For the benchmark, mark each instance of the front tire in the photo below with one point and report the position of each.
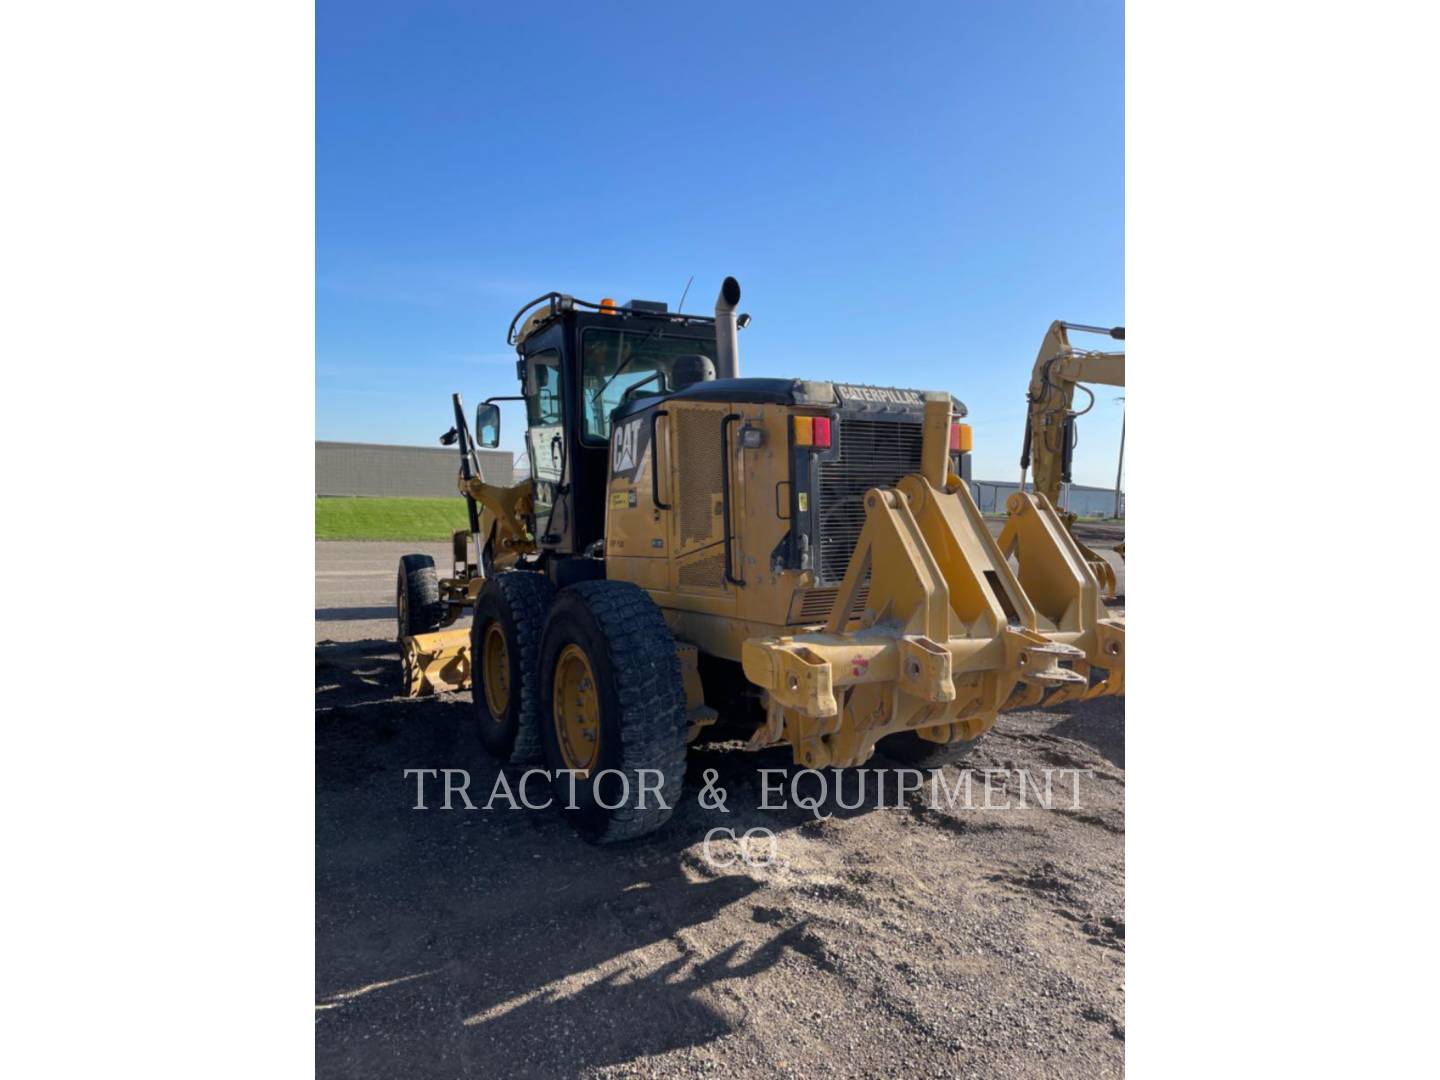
(504, 647)
(418, 609)
(613, 709)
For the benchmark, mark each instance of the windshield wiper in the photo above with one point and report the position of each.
(634, 352)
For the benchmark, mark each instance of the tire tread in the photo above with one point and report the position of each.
(651, 692)
(422, 595)
(527, 595)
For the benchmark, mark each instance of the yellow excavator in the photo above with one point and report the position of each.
(699, 556)
(1050, 430)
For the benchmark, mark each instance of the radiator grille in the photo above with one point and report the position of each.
(873, 453)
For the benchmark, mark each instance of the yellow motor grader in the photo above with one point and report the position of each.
(697, 555)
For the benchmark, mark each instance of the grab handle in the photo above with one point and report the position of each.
(655, 461)
(725, 493)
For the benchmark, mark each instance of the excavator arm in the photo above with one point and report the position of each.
(1050, 418)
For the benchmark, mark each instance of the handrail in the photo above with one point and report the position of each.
(655, 461)
(725, 492)
(560, 302)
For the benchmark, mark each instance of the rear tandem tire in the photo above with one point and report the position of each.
(609, 673)
(418, 609)
(504, 647)
(908, 748)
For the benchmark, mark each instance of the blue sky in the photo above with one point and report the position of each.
(908, 193)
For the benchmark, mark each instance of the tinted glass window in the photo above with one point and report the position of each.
(634, 362)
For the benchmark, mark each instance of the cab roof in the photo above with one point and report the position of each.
(554, 305)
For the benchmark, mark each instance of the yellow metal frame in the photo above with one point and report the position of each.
(439, 662)
(435, 663)
(949, 634)
(948, 637)
(936, 627)
(503, 514)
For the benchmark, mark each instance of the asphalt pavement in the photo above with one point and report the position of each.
(355, 586)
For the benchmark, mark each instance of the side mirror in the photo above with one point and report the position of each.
(487, 425)
(534, 376)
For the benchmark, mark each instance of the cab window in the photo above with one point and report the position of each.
(545, 429)
(621, 364)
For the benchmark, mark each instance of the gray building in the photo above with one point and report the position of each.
(375, 469)
(990, 496)
(345, 468)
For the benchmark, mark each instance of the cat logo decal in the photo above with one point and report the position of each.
(627, 447)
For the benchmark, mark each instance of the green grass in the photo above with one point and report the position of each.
(388, 519)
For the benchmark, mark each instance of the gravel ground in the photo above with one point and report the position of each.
(911, 939)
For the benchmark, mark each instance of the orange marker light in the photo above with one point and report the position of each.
(804, 431)
(607, 306)
(961, 438)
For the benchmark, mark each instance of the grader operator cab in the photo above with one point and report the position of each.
(697, 555)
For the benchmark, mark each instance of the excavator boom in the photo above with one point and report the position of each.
(1059, 369)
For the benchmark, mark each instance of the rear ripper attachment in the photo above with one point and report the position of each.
(932, 630)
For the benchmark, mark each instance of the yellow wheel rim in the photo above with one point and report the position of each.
(496, 661)
(577, 710)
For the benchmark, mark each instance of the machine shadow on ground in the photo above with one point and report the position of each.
(354, 614)
(483, 942)
(475, 941)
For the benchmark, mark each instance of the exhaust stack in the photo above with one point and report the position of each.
(727, 350)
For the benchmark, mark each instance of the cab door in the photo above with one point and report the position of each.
(545, 443)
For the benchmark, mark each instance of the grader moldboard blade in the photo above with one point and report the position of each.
(435, 663)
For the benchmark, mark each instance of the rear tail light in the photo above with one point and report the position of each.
(961, 438)
(813, 431)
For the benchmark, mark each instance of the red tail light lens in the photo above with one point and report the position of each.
(822, 432)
